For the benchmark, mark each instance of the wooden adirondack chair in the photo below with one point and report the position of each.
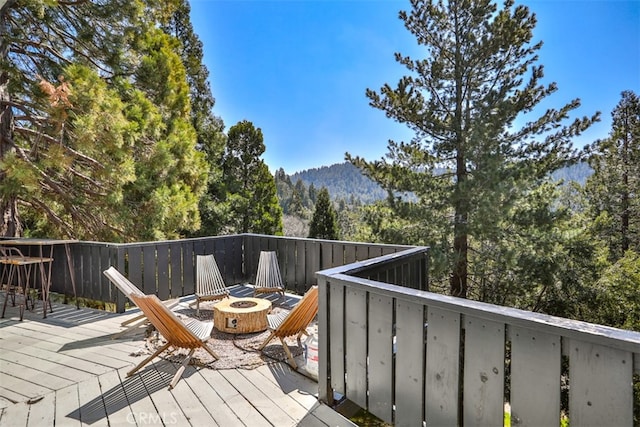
(209, 282)
(293, 323)
(192, 335)
(128, 289)
(268, 278)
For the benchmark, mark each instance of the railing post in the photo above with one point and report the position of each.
(325, 392)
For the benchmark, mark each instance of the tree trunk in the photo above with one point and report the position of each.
(10, 224)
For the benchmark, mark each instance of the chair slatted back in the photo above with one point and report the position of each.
(121, 282)
(209, 281)
(167, 323)
(300, 316)
(268, 275)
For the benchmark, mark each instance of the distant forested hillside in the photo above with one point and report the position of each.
(345, 181)
(578, 173)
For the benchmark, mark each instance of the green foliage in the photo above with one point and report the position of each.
(612, 190)
(249, 203)
(324, 221)
(617, 298)
(99, 142)
(473, 176)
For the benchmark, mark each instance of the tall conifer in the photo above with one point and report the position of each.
(471, 161)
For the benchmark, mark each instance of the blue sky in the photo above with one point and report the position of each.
(298, 69)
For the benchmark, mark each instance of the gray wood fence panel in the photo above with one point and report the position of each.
(162, 266)
(149, 271)
(118, 261)
(336, 333)
(375, 251)
(312, 262)
(235, 258)
(250, 248)
(409, 378)
(443, 367)
(535, 378)
(349, 256)
(380, 371)
(198, 247)
(483, 372)
(134, 273)
(327, 255)
(356, 345)
(101, 280)
(289, 265)
(209, 246)
(188, 270)
(600, 392)
(362, 252)
(302, 279)
(175, 268)
(94, 265)
(337, 254)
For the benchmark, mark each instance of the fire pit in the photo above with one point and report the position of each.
(241, 315)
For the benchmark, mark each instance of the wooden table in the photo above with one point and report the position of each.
(241, 315)
(46, 274)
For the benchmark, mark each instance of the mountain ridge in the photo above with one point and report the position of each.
(345, 181)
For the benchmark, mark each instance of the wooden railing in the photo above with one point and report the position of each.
(415, 358)
(167, 268)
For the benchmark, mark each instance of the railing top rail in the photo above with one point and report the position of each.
(618, 338)
(156, 242)
(338, 242)
(359, 266)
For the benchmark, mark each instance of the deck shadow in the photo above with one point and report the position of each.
(153, 378)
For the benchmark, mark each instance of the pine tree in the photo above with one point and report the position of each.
(250, 204)
(96, 138)
(612, 190)
(209, 128)
(468, 165)
(324, 224)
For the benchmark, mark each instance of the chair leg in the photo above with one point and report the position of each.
(211, 352)
(292, 362)
(181, 369)
(148, 359)
(264, 344)
(197, 306)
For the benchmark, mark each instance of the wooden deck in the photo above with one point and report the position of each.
(66, 370)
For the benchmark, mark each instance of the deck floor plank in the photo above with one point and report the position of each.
(15, 415)
(35, 348)
(138, 396)
(272, 402)
(168, 410)
(43, 365)
(67, 401)
(9, 397)
(240, 406)
(22, 386)
(259, 400)
(75, 375)
(279, 397)
(36, 376)
(92, 410)
(42, 412)
(116, 406)
(191, 395)
(297, 386)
